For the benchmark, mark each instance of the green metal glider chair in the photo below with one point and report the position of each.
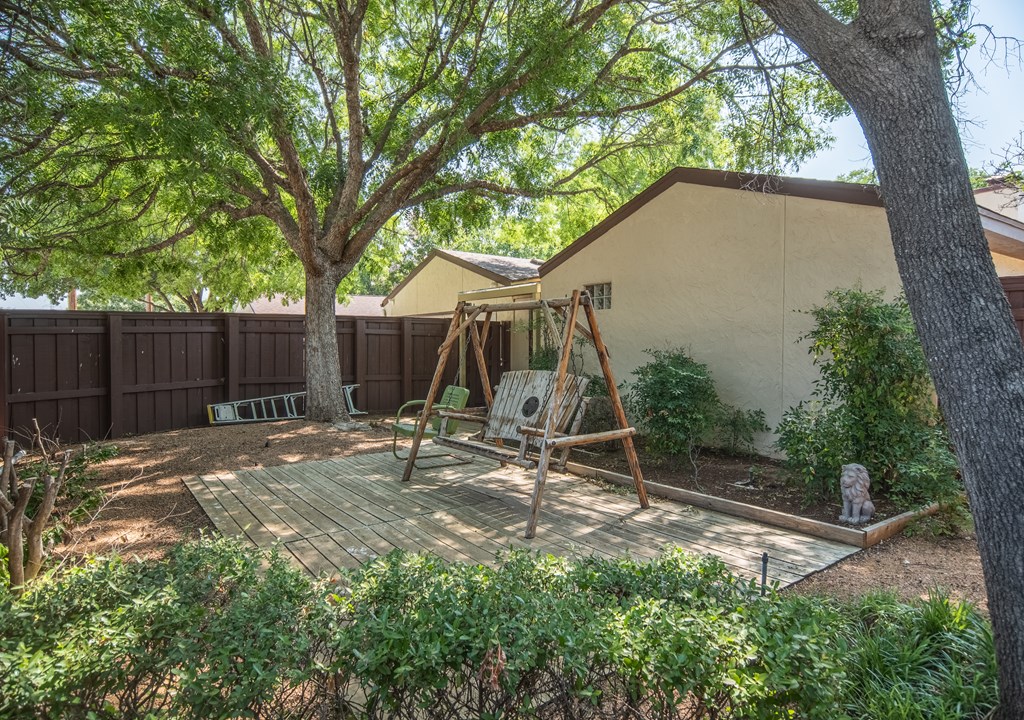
(454, 398)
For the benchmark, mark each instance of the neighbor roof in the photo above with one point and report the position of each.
(368, 305)
(501, 269)
(855, 193)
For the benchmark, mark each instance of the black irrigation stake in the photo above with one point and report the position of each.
(764, 571)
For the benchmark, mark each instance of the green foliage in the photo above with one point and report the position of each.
(218, 631)
(675, 400)
(205, 633)
(77, 500)
(544, 358)
(867, 176)
(930, 660)
(952, 520)
(736, 429)
(874, 404)
(137, 124)
(5, 579)
(679, 411)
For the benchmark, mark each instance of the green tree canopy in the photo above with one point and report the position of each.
(133, 125)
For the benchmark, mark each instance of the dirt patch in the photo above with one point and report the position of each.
(911, 567)
(148, 508)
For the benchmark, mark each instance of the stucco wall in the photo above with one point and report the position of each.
(435, 289)
(698, 268)
(724, 273)
(1008, 266)
(1003, 201)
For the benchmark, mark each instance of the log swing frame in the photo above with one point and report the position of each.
(547, 438)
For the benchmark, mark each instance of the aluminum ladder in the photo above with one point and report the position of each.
(289, 406)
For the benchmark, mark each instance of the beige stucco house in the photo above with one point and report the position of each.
(432, 287)
(445, 277)
(722, 264)
(358, 305)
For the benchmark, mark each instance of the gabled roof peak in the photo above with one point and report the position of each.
(833, 190)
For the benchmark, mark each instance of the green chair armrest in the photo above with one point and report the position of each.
(411, 403)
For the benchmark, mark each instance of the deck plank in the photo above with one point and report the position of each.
(339, 513)
(223, 520)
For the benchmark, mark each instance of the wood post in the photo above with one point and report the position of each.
(435, 385)
(453, 336)
(551, 441)
(116, 381)
(590, 438)
(463, 374)
(549, 424)
(487, 329)
(232, 357)
(5, 363)
(407, 359)
(620, 413)
(549, 318)
(581, 330)
(360, 360)
(481, 364)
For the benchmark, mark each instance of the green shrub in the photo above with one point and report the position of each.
(544, 358)
(932, 660)
(206, 633)
(219, 631)
(677, 406)
(78, 500)
(874, 404)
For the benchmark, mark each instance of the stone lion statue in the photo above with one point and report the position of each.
(857, 505)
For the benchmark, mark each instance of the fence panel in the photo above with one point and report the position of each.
(87, 376)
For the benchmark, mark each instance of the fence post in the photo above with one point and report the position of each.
(360, 362)
(116, 384)
(232, 353)
(5, 366)
(406, 359)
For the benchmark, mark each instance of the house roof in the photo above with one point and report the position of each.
(361, 305)
(1005, 234)
(501, 269)
(855, 193)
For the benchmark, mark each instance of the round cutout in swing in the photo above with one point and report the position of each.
(530, 406)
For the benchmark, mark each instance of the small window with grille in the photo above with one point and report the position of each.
(601, 294)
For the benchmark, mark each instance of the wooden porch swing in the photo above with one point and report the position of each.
(546, 439)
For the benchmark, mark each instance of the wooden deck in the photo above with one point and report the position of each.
(339, 513)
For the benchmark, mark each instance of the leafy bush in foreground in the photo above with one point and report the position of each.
(216, 631)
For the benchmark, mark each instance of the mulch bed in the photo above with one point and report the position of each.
(752, 480)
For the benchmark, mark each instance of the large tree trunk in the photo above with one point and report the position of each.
(888, 67)
(973, 348)
(324, 399)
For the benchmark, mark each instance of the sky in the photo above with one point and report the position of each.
(994, 109)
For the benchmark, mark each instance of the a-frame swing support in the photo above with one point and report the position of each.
(464, 319)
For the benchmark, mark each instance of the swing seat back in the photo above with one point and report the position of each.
(523, 397)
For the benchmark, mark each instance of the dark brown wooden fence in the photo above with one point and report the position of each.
(106, 375)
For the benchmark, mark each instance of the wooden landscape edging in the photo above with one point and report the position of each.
(859, 537)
